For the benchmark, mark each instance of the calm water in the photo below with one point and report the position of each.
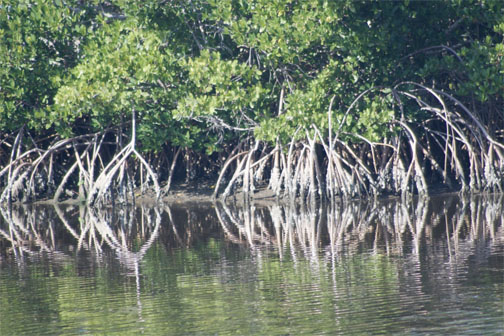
(418, 268)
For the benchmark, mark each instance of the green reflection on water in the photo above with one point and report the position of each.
(264, 271)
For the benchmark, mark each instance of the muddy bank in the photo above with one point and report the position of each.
(194, 192)
(201, 191)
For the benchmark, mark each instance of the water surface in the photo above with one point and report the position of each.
(420, 267)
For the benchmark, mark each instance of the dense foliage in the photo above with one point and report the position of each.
(423, 78)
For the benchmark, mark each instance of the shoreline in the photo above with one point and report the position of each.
(199, 192)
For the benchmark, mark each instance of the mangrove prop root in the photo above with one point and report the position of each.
(454, 146)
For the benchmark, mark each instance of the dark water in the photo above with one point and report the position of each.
(420, 267)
